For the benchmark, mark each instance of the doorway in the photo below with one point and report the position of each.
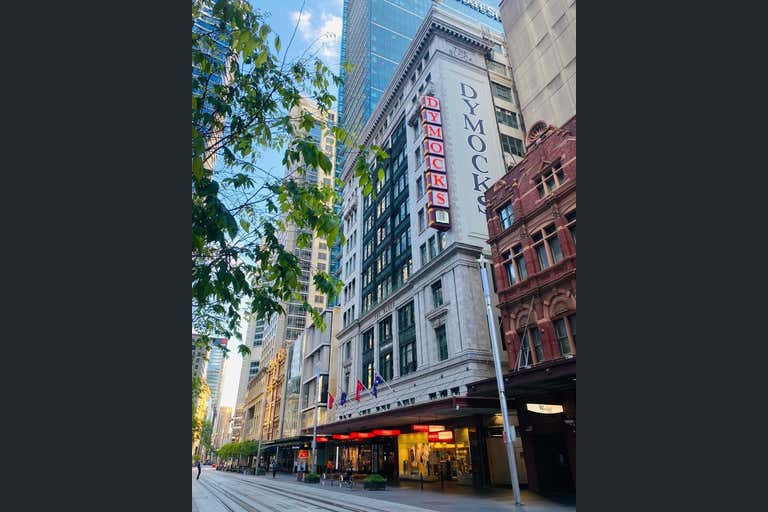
(552, 463)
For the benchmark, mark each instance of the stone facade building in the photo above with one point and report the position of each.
(412, 306)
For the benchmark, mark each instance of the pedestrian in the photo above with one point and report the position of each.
(199, 469)
(274, 469)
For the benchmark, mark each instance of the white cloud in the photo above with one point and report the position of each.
(325, 36)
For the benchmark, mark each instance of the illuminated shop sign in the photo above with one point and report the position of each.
(446, 436)
(544, 408)
(427, 428)
(435, 177)
(303, 454)
(380, 432)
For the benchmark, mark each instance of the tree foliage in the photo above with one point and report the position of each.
(236, 450)
(246, 98)
(206, 436)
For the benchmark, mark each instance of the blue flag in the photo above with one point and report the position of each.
(343, 399)
(376, 381)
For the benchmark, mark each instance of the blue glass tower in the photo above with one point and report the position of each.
(375, 36)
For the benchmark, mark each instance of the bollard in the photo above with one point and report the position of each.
(421, 479)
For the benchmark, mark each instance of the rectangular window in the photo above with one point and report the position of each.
(537, 344)
(509, 267)
(419, 188)
(441, 241)
(507, 216)
(553, 243)
(407, 339)
(386, 365)
(345, 384)
(422, 220)
(432, 247)
(506, 117)
(367, 359)
(550, 179)
(385, 332)
(512, 145)
(323, 389)
(517, 254)
(442, 343)
(561, 333)
(307, 393)
(572, 325)
(322, 256)
(423, 252)
(348, 350)
(570, 218)
(437, 294)
(501, 91)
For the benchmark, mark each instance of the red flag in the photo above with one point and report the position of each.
(330, 400)
(358, 389)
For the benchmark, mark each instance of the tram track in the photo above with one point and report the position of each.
(320, 503)
(232, 494)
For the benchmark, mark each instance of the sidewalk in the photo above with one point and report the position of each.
(452, 498)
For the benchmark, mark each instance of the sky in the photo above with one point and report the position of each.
(319, 30)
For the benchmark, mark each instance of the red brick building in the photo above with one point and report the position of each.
(532, 228)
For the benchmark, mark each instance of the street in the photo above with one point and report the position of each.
(218, 491)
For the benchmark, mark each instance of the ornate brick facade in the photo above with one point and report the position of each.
(552, 289)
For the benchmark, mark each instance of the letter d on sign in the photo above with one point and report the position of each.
(464, 91)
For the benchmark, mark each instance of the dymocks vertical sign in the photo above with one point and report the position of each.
(435, 174)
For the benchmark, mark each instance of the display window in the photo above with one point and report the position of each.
(418, 457)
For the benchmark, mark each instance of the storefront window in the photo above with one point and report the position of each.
(418, 457)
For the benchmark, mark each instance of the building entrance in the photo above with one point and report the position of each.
(552, 463)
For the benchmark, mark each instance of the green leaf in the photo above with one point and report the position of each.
(245, 225)
(261, 58)
(277, 43)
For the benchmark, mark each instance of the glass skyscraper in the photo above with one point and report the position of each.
(375, 36)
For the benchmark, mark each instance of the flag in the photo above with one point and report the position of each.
(376, 381)
(343, 398)
(330, 400)
(358, 389)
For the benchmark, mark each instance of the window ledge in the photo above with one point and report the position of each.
(438, 312)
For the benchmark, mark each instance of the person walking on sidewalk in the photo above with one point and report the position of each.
(274, 469)
(199, 469)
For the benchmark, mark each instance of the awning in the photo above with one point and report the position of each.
(437, 410)
(546, 377)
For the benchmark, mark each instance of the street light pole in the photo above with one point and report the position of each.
(509, 430)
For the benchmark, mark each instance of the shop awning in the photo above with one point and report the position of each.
(547, 377)
(444, 409)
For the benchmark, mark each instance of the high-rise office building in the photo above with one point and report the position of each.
(215, 376)
(541, 38)
(281, 331)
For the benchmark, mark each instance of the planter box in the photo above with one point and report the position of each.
(374, 486)
(312, 480)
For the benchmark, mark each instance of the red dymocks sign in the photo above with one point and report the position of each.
(435, 176)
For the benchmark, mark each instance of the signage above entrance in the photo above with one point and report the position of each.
(303, 454)
(427, 428)
(544, 408)
(446, 436)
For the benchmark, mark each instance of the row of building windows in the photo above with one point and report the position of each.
(546, 247)
(565, 335)
(434, 246)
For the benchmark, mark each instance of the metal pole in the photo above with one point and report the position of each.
(314, 428)
(509, 430)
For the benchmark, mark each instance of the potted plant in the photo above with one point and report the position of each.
(312, 478)
(374, 482)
